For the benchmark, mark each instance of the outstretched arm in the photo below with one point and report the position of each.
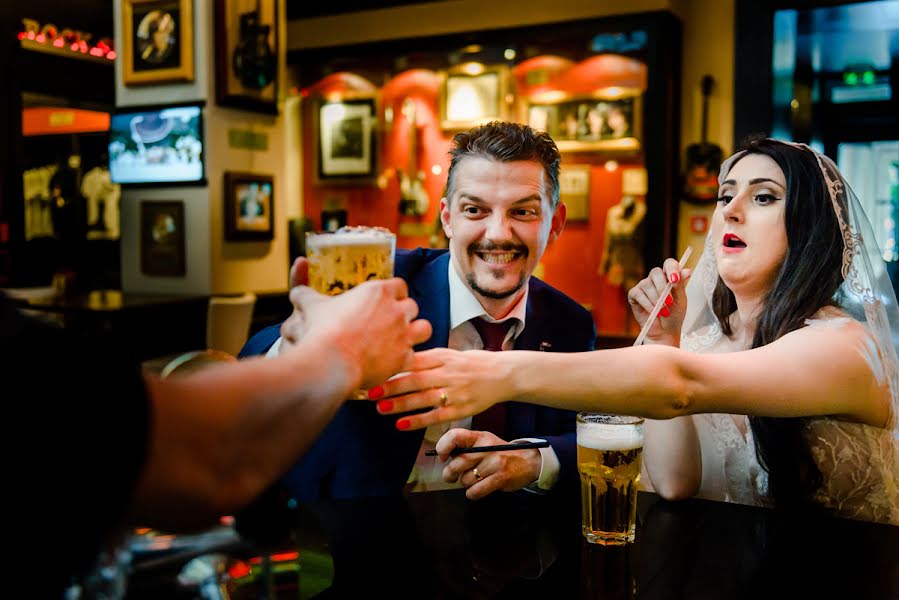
(808, 372)
(219, 437)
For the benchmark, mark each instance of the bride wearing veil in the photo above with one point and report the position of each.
(773, 378)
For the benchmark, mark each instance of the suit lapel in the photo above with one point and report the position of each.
(430, 289)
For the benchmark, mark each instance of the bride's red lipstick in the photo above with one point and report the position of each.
(732, 243)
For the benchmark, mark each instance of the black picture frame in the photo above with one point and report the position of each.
(162, 245)
(249, 207)
(347, 150)
(246, 51)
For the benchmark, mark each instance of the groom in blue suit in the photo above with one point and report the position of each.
(500, 212)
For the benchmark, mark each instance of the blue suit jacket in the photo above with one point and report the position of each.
(361, 453)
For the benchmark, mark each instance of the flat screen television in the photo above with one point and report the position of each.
(158, 146)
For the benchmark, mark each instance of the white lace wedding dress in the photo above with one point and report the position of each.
(859, 463)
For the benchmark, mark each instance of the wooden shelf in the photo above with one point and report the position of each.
(64, 52)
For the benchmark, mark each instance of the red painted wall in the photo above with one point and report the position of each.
(571, 264)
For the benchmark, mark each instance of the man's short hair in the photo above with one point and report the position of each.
(507, 142)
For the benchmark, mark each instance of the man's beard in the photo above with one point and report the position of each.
(504, 247)
(496, 295)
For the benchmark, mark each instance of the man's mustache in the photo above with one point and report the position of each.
(498, 247)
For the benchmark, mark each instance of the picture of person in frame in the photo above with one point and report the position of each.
(570, 124)
(618, 121)
(254, 199)
(162, 239)
(346, 138)
(156, 39)
(595, 123)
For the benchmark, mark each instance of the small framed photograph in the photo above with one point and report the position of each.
(249, 207)
(246, 52)
(346, 140)
(157, 41)
(472, 95)
(574, 191)
(162, 251)
(591, 124)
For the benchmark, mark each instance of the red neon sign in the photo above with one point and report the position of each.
(77, 42)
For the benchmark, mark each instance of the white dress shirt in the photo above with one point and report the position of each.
(427, 474)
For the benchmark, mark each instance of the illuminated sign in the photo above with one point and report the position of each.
(49, 38)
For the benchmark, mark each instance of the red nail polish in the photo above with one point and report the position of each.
(669, 300)
(385, 405)
(375, 392)
(675, 277)
(403, 424)
(665, 312)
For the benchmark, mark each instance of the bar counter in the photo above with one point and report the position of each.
(139, 326)
(440, 545)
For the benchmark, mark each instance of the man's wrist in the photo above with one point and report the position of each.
(548, 472)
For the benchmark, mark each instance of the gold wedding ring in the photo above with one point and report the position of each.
(477, 474)
(443, 399)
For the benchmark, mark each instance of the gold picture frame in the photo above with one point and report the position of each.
(157, 41)
(593, 124)
(472, 94)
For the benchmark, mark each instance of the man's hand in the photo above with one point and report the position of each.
(372, 326)
(505, 471)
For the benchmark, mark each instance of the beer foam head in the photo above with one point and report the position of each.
(606, 436)
(352, 236)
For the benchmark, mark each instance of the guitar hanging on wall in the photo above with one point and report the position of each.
(703, 159)
(413, 196)
(254, 62)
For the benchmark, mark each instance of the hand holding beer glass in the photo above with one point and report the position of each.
(609, 460)
(342, 260)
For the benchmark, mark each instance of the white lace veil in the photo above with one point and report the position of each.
(866, 292)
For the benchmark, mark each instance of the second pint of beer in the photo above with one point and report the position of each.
(609, 459)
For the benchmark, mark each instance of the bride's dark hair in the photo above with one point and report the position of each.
(808, 280)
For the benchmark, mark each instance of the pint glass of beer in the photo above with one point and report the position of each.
(342, 260)
(609, 459)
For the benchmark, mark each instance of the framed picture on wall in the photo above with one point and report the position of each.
(249, 207)
(591, 124)
(346, 140)
(246, 52)
(157, 41)
(574, 191)
(472, 94)
(162, 251)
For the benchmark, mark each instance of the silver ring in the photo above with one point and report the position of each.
(477, 474)
(443, 398)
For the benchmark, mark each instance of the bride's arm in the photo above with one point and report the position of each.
(811, 371)
(672, 457)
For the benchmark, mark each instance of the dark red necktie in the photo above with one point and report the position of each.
(494, 418)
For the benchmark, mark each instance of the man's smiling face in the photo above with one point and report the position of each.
(499, 221)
